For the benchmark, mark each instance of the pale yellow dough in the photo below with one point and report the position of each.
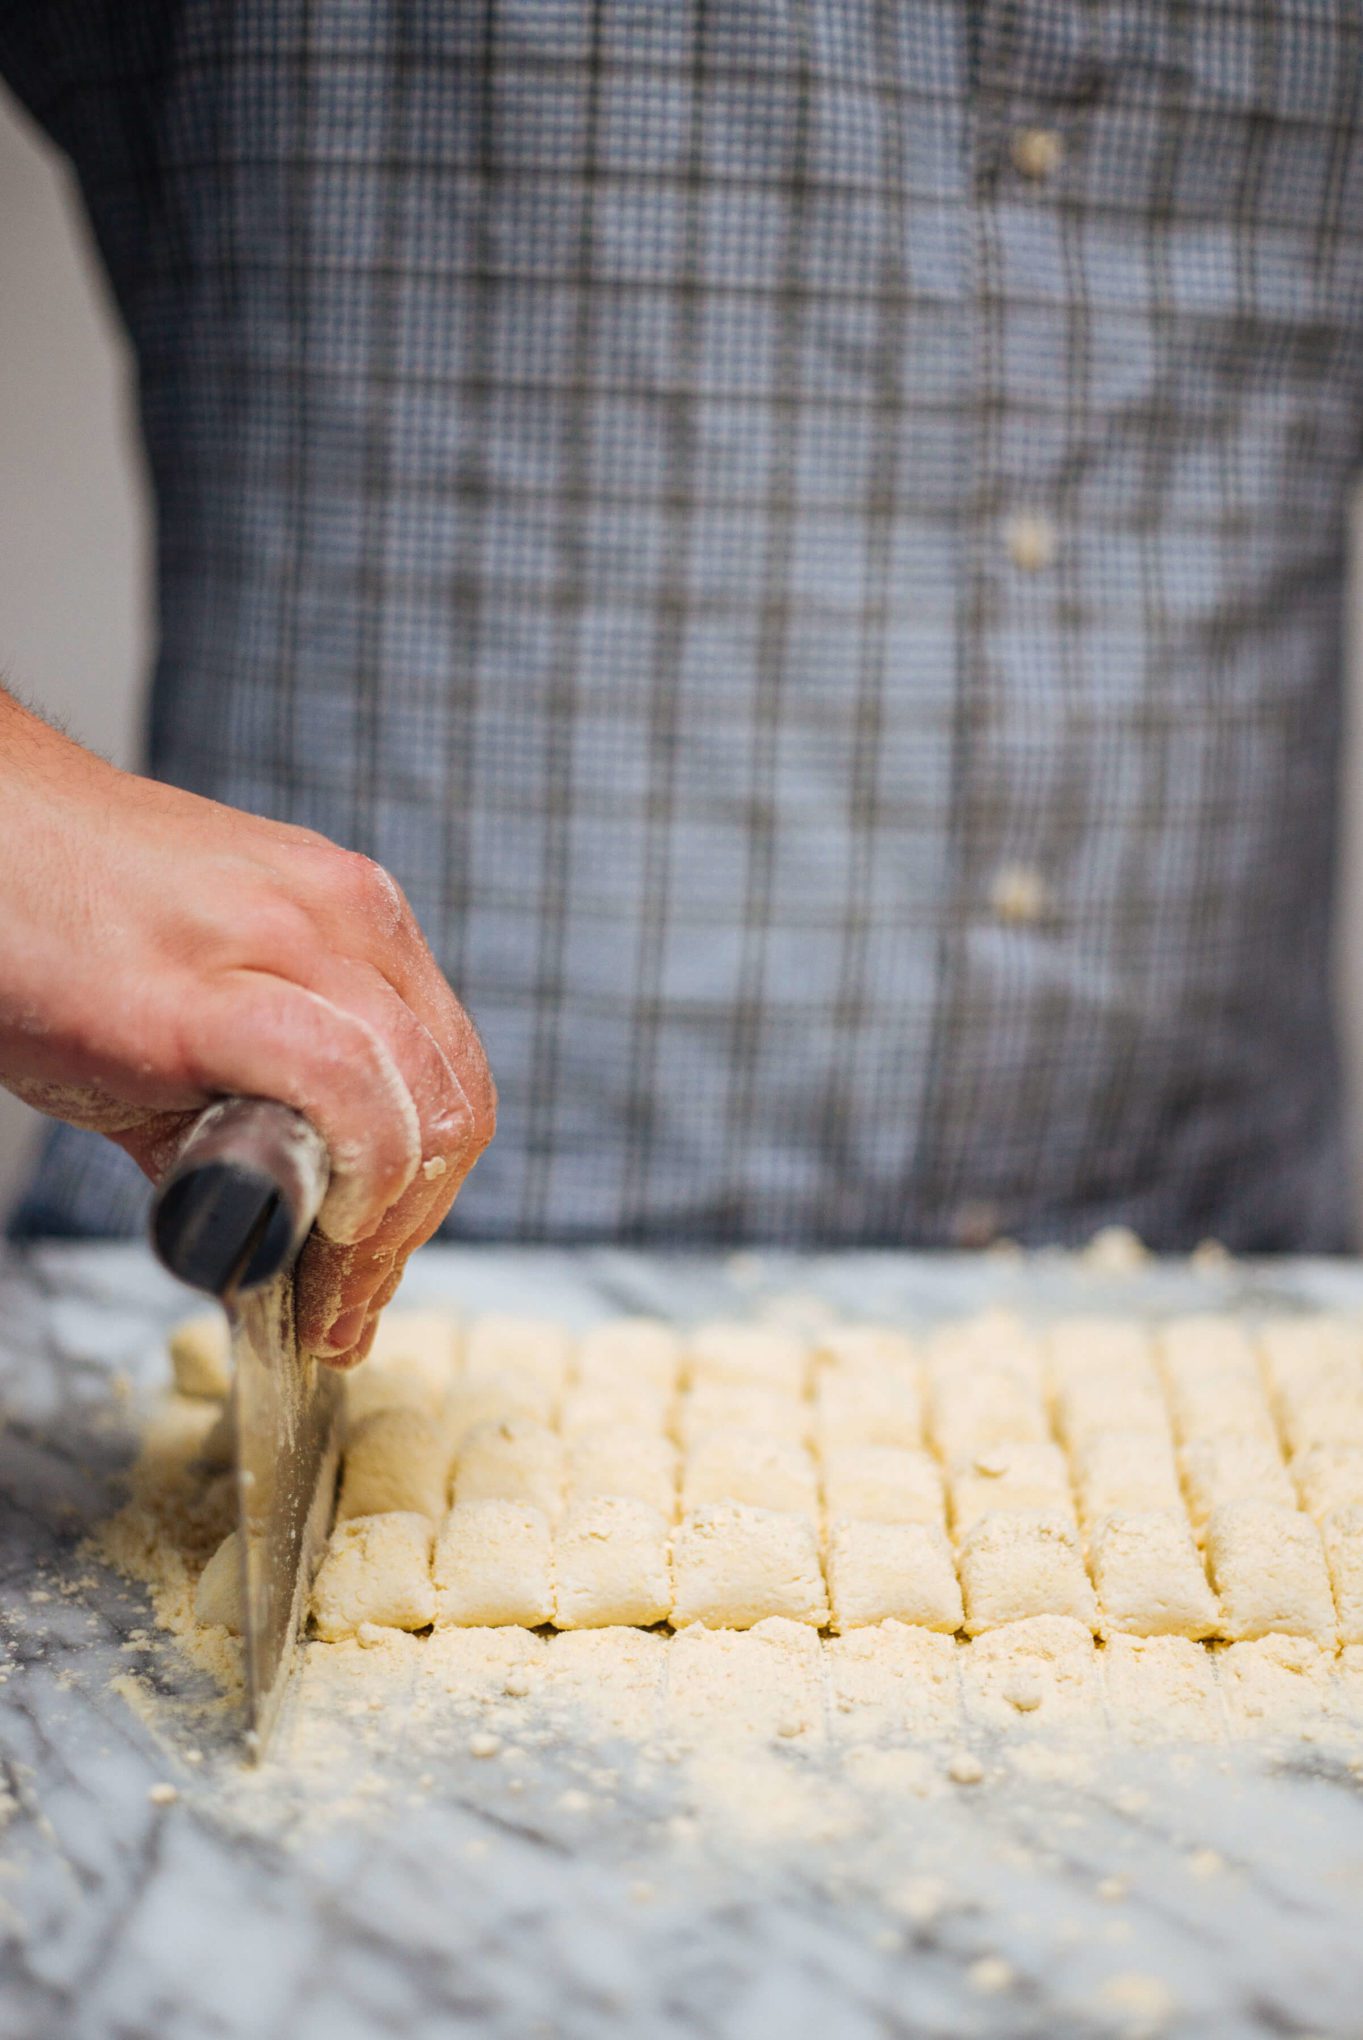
(640, 1407)
(619, 1459)
(217, 1597)
(894, 1680)
(1016, 1566)
(883, 1484)
(1268, 1566)
(737, 1406)
(396, 1459)
(759, 1683)
(377, 1569)
(1232, 1468)
(537, 1349)
(749, 1356)
(1329, 1477)
(515, 1461)
(971, 1409)
(869, 1350)
(411, 1365)
(1037, 1672)
(630, 1356)
(1121, 1470)
(1161, 1689)
(1342, 1531)
(611, 1565)
(1149, 1577)
(751, 1467)
(879, 1571)
(732, 1565)
(200, 1358)
(853, 1408)
(1012, 1478)
(494, 1565)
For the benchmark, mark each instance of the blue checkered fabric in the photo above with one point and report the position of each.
(808, 534)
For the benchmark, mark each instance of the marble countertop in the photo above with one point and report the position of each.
(1158, 1891)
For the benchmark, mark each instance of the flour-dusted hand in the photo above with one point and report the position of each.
(161, 950)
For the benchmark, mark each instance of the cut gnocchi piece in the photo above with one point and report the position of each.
(411, 1365)
(758, 1684)
(995, 1341)
(537, 1349)
(595, 1409)
(899, 1571)
(493, 1565)
(876, 1351)
(611, 1565)
(1119, 1471)
(1268, 1567)
(988, 1405)
(516, 1461)
(1329, 1477)
(1108, 1404)
(397, 1460)
(1217, 1470)
(733, 1565)
(894, 1680)
(867, 1409)
(608, 1682)
(628, 1356)
(1016, 1566)
(496, 1396)
(751, 1467)
(619, 1460)
(883, 1484)
(1279, 1682)
(1149, 1577)
(734, 1406)
(376, 1569)
(748, 1356)
(1012, 1478)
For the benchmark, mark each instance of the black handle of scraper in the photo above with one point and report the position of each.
(241, 1196)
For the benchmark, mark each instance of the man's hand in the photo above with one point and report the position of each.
(158, 951)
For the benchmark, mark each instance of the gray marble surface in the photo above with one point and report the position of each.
(453, 1904)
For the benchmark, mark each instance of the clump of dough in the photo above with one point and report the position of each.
(494, 1565)
(217, 1597)
(376, 1569)
(396, 1460)
(1016, 1566)
(1149, 1577)
(611, 1565)
(732, 1565)
(200, 1355)
(882, 1571)
(1268, 1566)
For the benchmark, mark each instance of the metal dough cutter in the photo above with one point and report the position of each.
(230, 1218)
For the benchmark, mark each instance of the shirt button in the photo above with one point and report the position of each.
(1031, 542)
(1038, 152)
(1019, 895)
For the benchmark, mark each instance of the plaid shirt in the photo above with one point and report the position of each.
(808, 534)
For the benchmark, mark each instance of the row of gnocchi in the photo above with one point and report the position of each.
(1199, 1480)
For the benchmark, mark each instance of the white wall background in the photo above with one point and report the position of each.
(74, 548)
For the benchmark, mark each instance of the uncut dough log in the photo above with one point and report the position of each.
(891, 1681)
(200, 1358)
(1268, 1567)
(1161, 1689)
(611, 1565)
(536, 1349)
(515, 1461)
(1232, 1468)
(732, 1565)
(607, 1682)
(1036, 1673)
(1149, 1577)
(751, 1467)
(757, 1684)
(618, 1459)
(1279, 1682)
(411, 1365)
(883, 1571)
(217, 1597)
(1342, 1532)
(629, 1356)
(1015, 1566)
(883, 1484)
(376, 1569)
(749, 1356)
(1011, 1478)
(853, 1408)
(493, 1565)
(396, 1460)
